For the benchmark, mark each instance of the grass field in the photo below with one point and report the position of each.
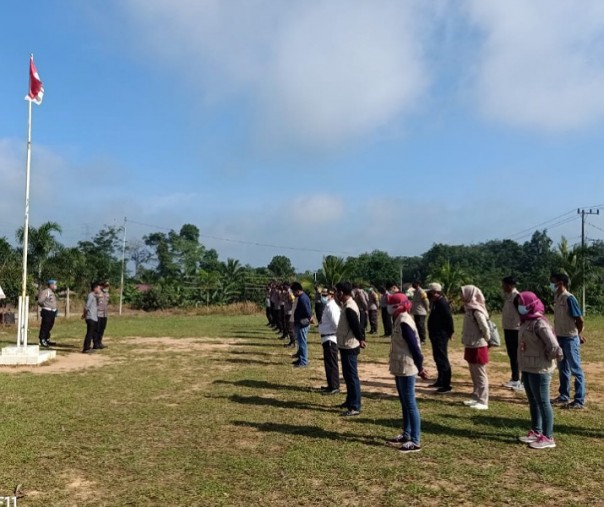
(207, 410)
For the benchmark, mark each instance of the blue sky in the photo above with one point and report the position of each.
(324, 126)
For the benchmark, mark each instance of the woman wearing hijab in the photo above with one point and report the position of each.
(474, 335)
(538, 351)
(406, 361)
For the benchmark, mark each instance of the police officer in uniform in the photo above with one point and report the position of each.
(47, 301)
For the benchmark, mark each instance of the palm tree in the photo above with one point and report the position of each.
(41, 245)
(335, 269)
(450, 277)
(570, 262)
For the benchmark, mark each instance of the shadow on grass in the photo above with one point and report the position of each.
(272, 402)
(262, 384)
(248, 353)
(310, 431)
(238, 360)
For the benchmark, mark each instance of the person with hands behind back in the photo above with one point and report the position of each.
(538, 350)
(406, 361)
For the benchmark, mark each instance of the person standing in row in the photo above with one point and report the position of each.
(440, 331)
(374, 304)
(102, 311)
(419, 310)
(386, 318)
(47, 301)
(538, 350)
(362, 301)
(406, 362)
(90, 314)
(475, 335)
(327, 329)
(510, 320)
(568, 324)
(268, 306)
(302, 316)
(350, 342)
(319, 306)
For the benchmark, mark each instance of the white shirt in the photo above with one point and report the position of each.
(329, 322)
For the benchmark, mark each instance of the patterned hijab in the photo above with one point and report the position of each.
(473, 299)
(533, 305)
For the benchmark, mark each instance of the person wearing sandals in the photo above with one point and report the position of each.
(538, 351)
(475, 335)
(406, 362)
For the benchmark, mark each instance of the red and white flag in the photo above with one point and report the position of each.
(36, 91)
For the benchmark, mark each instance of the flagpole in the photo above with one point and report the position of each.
(24, 299)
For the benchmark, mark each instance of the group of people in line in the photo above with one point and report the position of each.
(95, 315)
(534, 346)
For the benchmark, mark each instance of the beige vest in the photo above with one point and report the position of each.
(564, 324)
(537, 343)
(475, 330)
(401, 360)
(510, 318)
(419, 302)
(346, 339)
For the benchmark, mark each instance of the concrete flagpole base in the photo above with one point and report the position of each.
(29, 355)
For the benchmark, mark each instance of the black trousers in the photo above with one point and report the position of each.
(277, 317)
(48, 321)
(420, 323)
(91, 337)
(101, 329)
(373, 321)
(330, 360)
(319, 311)
(269, 314)
(387, 321)
(440, 345)
(363, 322)
(511, 344)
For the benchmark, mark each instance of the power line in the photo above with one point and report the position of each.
(549, 227)
(542, 224)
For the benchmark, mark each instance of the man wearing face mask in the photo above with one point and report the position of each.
(510, 320)
(327, 329)
(568, 325)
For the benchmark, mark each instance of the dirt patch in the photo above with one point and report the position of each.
(63, 363)
(152, 345)
(79, 488)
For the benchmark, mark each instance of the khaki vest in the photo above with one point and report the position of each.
(564, 324)
(346, 339)
(401, 360)
(536, 342)
(510, 318)
(475, 330)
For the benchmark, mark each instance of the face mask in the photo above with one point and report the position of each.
(553, 287)
(390, 309)
(522, 310)
(323, 300)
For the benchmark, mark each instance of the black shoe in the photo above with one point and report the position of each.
(329, 392)
(442, 390)
(350, 413)
(44, 343)
(299, 365)
(51, 344)
(99, 347)
(297, 361)
(573, 406)
(296, 354)
(436, 384)
(87, 351)
(342, 405)
(325, 388)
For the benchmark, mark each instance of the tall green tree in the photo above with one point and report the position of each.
(281, 267)
(42, 244)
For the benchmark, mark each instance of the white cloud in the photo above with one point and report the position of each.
(315, 74)
(541, 63)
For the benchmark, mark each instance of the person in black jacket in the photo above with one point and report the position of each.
(440, 331)
(302, 316)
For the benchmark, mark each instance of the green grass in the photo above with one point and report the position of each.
(238, 426)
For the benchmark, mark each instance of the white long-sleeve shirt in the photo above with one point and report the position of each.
(329, 322)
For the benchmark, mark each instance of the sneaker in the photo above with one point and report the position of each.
(410, 447)
(531, 436)
(44, 343)
(436, 384)
(401, 438)
(512, 384)
(575, 405)
(330, 392)
(479, 406)
(342, 405)
(469, 403)
(350, 413)
(300, 365)
(442, 390)
(520, 388)
(559, 401)
(543, 442)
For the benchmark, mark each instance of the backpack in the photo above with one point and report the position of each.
(494, 340)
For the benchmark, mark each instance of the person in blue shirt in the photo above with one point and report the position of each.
(568, 325)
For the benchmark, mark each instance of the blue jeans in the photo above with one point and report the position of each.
(571, 365)
(536, 386)
(411, 421)
(301, 334)
(351, 377)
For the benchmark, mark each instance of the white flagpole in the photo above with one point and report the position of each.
(123, 268)
(23, 299)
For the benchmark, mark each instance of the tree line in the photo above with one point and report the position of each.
(175, 269)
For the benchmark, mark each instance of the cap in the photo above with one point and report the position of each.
(436, 287)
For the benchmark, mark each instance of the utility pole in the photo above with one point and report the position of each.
(123, 268)
(583, 213)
